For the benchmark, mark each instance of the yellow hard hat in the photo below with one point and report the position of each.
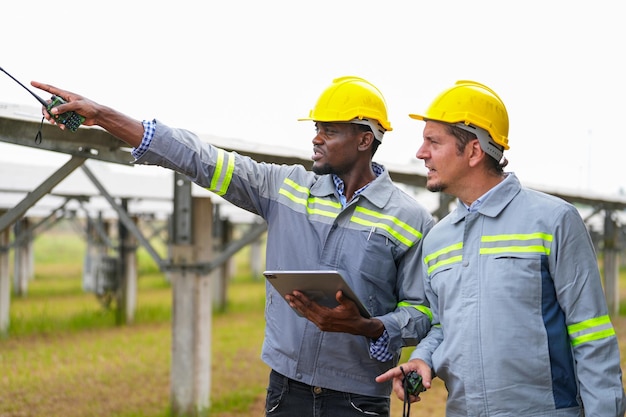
(349, 98)
(471, 103)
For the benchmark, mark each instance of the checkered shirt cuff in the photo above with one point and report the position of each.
(379, 349)
(149, 127)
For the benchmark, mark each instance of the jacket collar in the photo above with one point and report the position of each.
(499, 197)
(378, 192)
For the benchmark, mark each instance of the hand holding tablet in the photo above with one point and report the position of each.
(319, 286)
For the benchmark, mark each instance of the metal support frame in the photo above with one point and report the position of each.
(181, 232)
(45, 221)
(31, 198)
(125, 218)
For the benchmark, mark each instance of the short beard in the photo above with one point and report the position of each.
(323, 170)
(436, 188)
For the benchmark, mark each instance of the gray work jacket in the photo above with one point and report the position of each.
(375, 242)
(520, 324)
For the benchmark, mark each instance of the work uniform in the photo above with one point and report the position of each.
(374, 242)
(520, 323)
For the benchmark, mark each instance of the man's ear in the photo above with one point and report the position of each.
(475, 152)
(365, 140)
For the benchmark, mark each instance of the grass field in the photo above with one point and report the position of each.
(65, 357)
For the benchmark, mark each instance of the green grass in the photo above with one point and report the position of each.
(61, 305)
(65, 356)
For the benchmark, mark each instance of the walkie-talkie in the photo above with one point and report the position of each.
(412, 382)
(70, 119)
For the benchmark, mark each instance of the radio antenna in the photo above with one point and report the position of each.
(42, 101)
(70, 119)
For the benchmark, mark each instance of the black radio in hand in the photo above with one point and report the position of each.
(71, 120)
(412, 382)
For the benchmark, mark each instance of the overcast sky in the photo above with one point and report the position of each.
(248, 69)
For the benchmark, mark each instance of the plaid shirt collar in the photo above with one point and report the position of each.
(339, 185)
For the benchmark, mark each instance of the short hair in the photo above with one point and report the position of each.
(463, 137)
(365, 129)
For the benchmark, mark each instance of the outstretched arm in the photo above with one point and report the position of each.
(118, 124)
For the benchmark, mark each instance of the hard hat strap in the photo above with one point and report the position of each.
(377, 129)
(486, 142)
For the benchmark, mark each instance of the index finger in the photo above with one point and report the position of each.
(390, 374)
(51, 89)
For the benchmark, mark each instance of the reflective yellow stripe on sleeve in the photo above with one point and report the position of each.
(223, 172)
(423, 309)
(590, 330)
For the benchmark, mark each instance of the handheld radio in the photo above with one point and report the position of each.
(70, 119)
(412, 384)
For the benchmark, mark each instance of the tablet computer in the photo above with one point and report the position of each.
(319, 286)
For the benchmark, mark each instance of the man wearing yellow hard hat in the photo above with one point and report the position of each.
(521, 326)
(345, 215)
